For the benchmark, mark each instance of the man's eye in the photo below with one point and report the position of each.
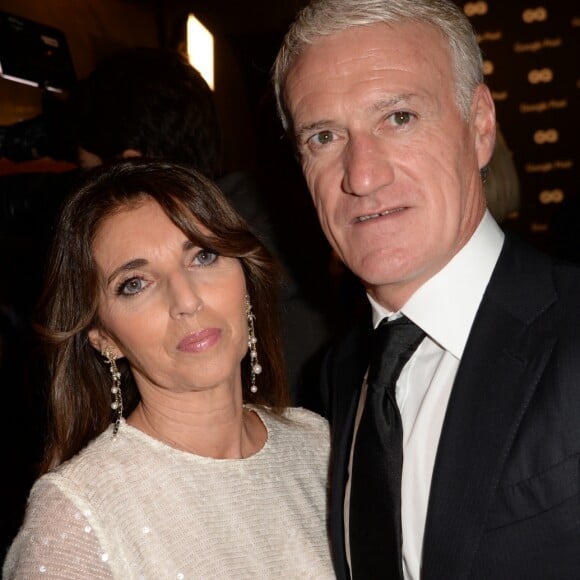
(401, 117)
(323, 138)
(205, 258)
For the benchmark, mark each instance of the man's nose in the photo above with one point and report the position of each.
(367, 167)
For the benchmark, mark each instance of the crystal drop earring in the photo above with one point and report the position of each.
(255, 366)
(117, 404)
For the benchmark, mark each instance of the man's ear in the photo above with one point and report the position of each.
(484, 124)
(131, 153)
(100, 340)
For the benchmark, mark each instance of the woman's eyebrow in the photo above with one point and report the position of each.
(131, 265)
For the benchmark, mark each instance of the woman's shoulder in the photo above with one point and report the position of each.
(55, 526)
(85, 471)
(297, 424)
(298, 418)
(306, 417)
(297, 435)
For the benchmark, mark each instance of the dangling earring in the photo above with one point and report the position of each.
(255, 366)
(117, 404)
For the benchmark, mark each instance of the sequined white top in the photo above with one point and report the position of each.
(132, 507)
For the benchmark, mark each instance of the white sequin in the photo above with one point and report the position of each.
(283, 527)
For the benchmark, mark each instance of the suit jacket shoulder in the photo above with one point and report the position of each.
(507, 474)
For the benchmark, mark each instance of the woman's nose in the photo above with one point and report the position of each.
(184, 295)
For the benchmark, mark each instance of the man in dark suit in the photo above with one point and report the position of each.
(393, 126)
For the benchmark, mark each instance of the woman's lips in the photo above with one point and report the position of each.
(199, 341)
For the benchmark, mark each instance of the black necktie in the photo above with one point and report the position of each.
(375, 497)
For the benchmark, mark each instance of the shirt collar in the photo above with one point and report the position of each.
(446, 305)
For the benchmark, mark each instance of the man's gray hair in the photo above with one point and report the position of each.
(326, 17)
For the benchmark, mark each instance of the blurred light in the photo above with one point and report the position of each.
(200, 49)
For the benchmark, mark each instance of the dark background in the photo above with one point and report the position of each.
(531, 54)
(531, 51)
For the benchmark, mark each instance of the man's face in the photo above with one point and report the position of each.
(392, 165)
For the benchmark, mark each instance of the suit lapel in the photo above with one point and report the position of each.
(500, 369)
(345, 366)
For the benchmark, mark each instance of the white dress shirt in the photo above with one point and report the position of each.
(444, 307)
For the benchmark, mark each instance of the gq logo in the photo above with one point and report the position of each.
(548, 196)
(531, 15)
(475, 8)
(547, 136)
(540, 75)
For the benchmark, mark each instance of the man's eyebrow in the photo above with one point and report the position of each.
(312, 128)
(391, 102)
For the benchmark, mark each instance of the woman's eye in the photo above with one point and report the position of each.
(131, 286)
(205, 258)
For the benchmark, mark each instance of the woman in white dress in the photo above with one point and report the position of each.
(171, 449)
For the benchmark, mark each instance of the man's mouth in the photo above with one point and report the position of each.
(372, 216)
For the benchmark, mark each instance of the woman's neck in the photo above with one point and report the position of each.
(227, 431)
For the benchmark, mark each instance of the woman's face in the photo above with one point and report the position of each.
(174, 310)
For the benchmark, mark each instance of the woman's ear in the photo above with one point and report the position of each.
(100, 340)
